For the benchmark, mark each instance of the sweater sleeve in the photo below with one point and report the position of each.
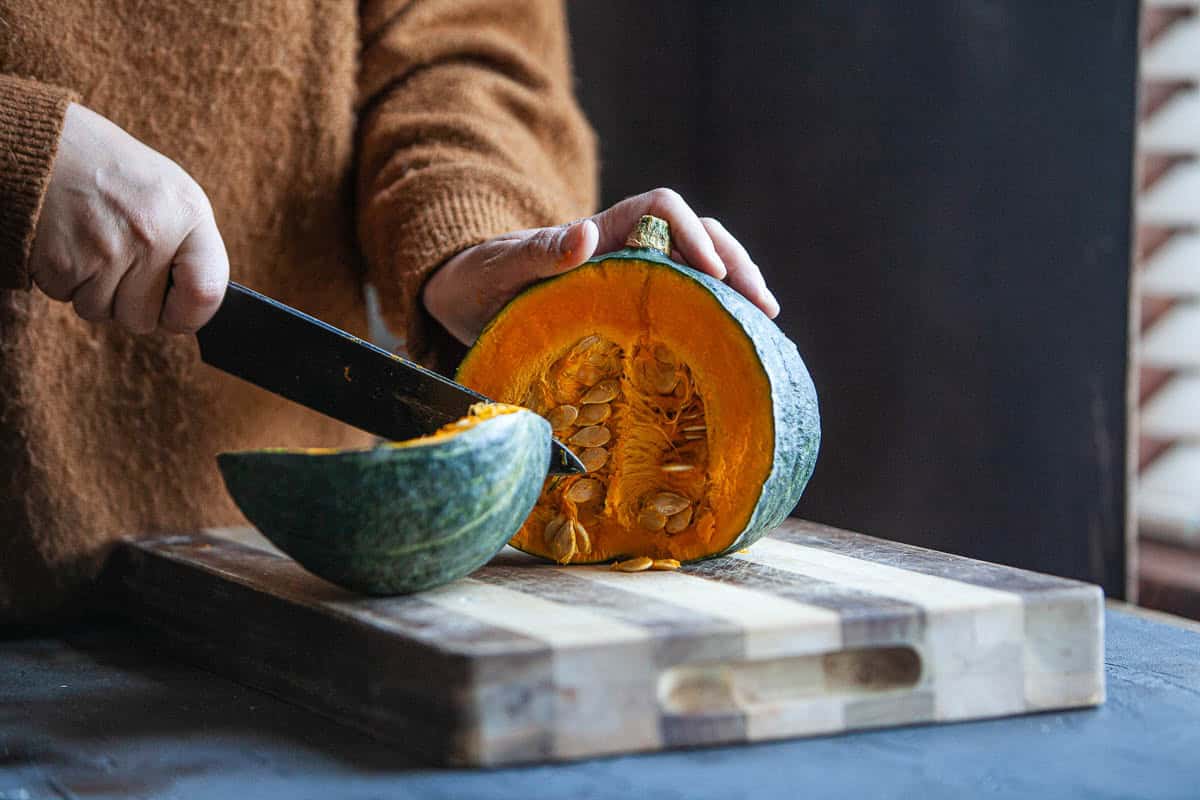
(31, 120)
(468, 129)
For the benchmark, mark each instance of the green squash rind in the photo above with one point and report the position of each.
(797, 420)
(396, 520)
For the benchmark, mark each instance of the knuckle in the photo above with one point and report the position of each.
(200, 294)
(191, 200)
(145, 227)
(665, 196)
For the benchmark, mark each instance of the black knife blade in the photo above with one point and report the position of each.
(292, 354)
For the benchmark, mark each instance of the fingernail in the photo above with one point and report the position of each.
(568, 241)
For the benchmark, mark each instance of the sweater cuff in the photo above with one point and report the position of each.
(31, 121)
(433, 234)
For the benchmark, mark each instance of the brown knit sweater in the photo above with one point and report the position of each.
(337, 140)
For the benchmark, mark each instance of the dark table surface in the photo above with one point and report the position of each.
(101, 712)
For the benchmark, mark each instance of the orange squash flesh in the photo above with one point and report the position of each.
(690, 426)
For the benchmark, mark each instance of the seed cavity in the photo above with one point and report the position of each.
(639, 564)
(632, 404)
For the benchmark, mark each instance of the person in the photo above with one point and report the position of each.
(149, 150)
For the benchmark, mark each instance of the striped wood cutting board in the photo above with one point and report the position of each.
(811, 631)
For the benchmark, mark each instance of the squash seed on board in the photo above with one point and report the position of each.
(664, 564)
(602, 392)
(593, 436)
(668, 503)
(562, 417)
(594, 413)
(593, 458)
(639, 564)
(651, 520)
(584, 489)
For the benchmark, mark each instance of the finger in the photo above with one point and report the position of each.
(200, 274)
(138, 299)
(744, 274)
(687, 232)
(551, 251)
(93, 299)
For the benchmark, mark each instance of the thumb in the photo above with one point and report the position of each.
(551, 251)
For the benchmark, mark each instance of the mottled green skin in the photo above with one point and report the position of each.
(796, 416)
(396, 520)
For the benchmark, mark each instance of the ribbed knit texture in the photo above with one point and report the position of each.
(31, 116)
(337, 140)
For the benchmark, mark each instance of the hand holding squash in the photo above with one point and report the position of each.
(469, 289)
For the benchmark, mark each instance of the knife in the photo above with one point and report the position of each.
(309, 362)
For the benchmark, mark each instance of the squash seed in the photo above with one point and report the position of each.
(638, 564)
(668, 503)
(651, 520)
(582, 540)
(664, 564)
(593, 436)
(602, 392)
(588, 374)
(562, 417)
(584, 489)
(665, 381)
(560, 538)
(594, 413)
(677, 467)
(694, 428)
(593, 458)
(679, 521)
(588, 342)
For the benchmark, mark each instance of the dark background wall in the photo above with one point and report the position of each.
(940, 196)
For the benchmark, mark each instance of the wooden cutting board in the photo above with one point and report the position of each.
(811, 631)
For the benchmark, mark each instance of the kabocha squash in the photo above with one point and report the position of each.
(403, 516)
(694, 415)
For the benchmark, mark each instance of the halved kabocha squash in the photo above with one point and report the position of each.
(403, 516)
(693, 413)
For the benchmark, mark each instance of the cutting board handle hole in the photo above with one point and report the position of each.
(745, 685)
